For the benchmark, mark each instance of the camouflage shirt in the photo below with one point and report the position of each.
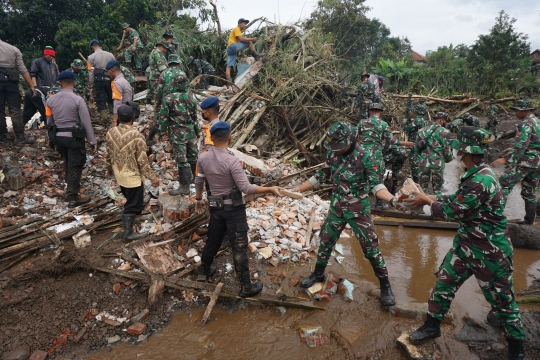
(352, 175)
(366, 92)
(131, 35)
(82, 87)
(202, 67)
(165, 80)
(438, 150)
(526, 151)
(157, 63)
(374, 132)
(129, 76)
(55, 89)
(478, 207)
(178, 109)
(412, 127)
(457, 124)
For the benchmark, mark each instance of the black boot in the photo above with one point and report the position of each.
(247, 289)
(207, 269)
(184, 178)
(515, 349)
(316, 276)
(394, 187)
(78, 201)
(152, 133)
(387, 296)
(21, 139)
(430, 330)
(193, 168)
(128, 220)
(530, 212)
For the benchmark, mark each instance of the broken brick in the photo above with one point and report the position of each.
(294, 281)
(252, 247)
(116, 288)
(136, 329)
(38, 355)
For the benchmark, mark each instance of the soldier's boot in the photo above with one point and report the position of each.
(21, 139)
(193, 168)
(387, 296)
(430, 330)
(516, 350)
(530, 213)
(247, 289)
(394, 187)
(184, 178)
(104, 115)
(151, 133)
(128, 220)
(77, 201)
(316, 276)
(208, 270)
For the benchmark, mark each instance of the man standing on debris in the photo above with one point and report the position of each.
(411, 128)
(375, 135)
(237, 44)
(365, 96)
(11, 65)
(82, 85)
(523, 160)
(157, 63)
(100, 80)
(125, 156)
(433, 151)
(481, 246)
(68, 124)
(178, 115)
(491, 126)
(227, 180)
(132, 51)
(353, 172)
(201, 67)
(121, 89)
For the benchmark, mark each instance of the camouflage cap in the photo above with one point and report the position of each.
(168, 34)
(165, 44)
(364, 75)
(442, 115)
(125, 25)
(523, 105)
(419, 109)
(472, 140)
(78, 64)
(174, 59)
(375, 106)
(179, 80)
(340, 136)
(466, 116)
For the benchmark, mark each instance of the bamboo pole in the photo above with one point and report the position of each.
(211, 304)
(250, 127)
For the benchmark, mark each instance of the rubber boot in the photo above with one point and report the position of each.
(207, 269)
(247, 289)
(387, 296)
(184, 178)
(21, 139)
(104, 115)
(394, 187)
(193, 168)
(430, 330)
(78, 201)
(516, 350)
(530, 212)
(316, 276)
(128, 220)
(151, 133)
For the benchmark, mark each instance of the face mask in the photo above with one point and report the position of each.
(456, 156)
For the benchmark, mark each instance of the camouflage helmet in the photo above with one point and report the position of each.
(523, 105)
(340, 136)
(179, 80)
(168, 34)
(375, 106)
(163, 43)
(419, 109)
(78, 64)
(466, 116)
(190, 60)
(174, 59)
(472, 140)
(364, 75)
(125, 25)
(442, 115)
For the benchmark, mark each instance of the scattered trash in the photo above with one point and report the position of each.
(313, 336)
(82, 239)
(191, 253)
(345, 289)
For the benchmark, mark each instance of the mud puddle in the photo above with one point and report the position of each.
(250, 331)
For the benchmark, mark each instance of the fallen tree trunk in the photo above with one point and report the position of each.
(524, 236)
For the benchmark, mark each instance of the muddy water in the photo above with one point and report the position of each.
(412, 255)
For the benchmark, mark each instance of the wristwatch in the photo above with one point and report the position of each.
(198, 199)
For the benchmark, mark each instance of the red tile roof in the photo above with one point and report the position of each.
(418, 57)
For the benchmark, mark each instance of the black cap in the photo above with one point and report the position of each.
(242, 20)
(125, 113)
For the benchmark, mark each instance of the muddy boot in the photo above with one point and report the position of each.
(208, 270)
(530, 213)
(193, 168)
(104, 115)
(316, 276)
(184, 178)
(515, 349)
(247, 289)
(128, 220)
(21, 139)
(78, 201)
(387, 296)
(430, 330)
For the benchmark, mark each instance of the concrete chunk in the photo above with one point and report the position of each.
(425, 351)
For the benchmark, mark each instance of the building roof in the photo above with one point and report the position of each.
(418, 57)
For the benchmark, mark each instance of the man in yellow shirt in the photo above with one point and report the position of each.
(237, 44)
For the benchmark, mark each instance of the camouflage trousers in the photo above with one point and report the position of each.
(491, 126)
(413, 164)
(184, 145)
(363, 229)
(394, 159)
(435, 177)
(152, 85)
(529, 182)
(496, 281)
(378, 160)
(130, 54)
(362, 110)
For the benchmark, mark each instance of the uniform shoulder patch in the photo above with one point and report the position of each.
(461, 198)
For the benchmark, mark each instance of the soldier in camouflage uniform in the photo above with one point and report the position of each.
(411, 128)
(466, 120)
(178, 115)
(201, 67)
(169, 38)
(394, 159)
(523, 160)
(136, 47)
(433, 152)
(365, 96)
(157, 63)
(55, 89)
(82, 86)
(375, 135)
(129, 77)
(353, 173)
(492, 119)
(481, 246)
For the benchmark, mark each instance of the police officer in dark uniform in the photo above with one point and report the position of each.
(100, 79)
(227, 182)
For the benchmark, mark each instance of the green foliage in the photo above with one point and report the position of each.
(396, 72)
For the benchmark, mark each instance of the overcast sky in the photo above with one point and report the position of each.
(427, 23)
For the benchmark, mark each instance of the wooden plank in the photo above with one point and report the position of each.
(387, 222)
(159, 260)
(402, 215)
(431, 225)
(211, 304)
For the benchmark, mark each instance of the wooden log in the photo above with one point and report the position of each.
(211, 304)
(465, 101)
(291, 194)
(250, 127)
(467, 109)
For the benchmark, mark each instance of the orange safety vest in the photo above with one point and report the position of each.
(115, 93)
(48, 111)
(207, 140)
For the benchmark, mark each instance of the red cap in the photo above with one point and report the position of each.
(49, 52)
